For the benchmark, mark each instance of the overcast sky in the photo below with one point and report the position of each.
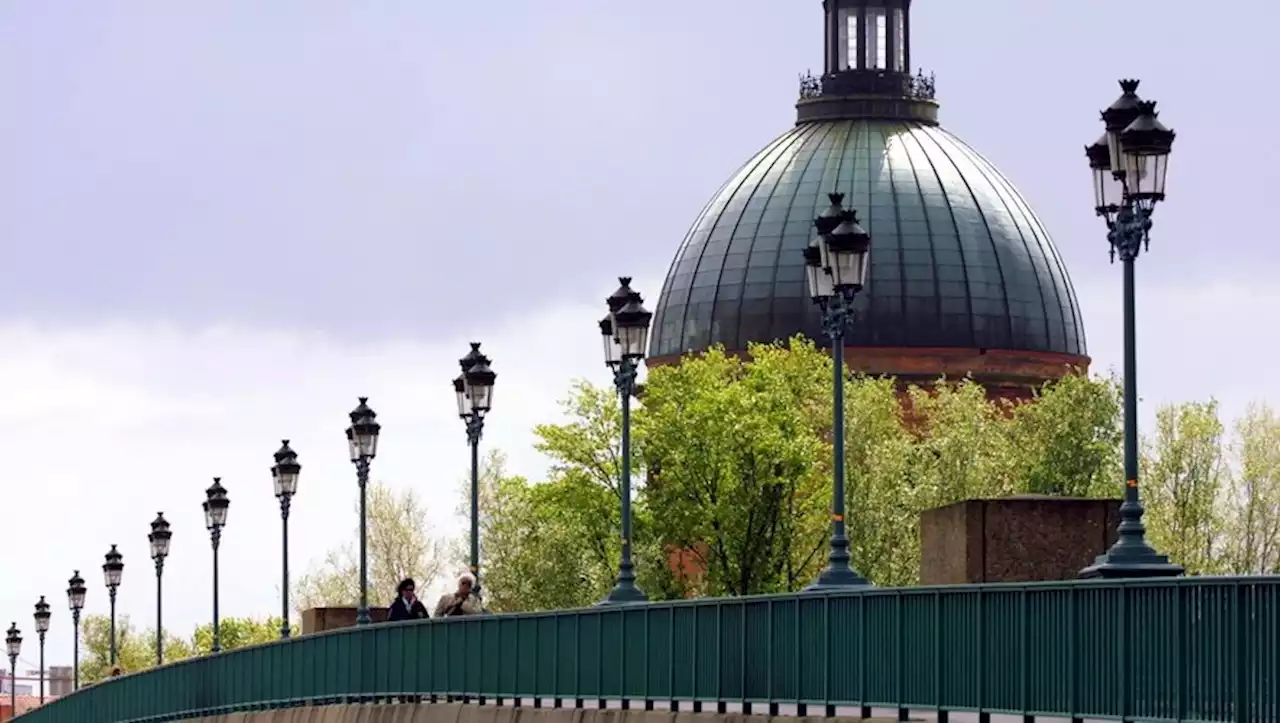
(220, 222)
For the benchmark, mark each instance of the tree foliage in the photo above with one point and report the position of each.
(732, 475)
(1183, 480)
(136, 651)
(236, 633)
(527, 560)
(556, 544)
(732, 472)
(400, 545)
(1068, 442)
(738, 475)
(1213, 503)
(1253, 498)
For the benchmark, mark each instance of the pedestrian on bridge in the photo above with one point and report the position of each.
(462, 601)
(406, 606)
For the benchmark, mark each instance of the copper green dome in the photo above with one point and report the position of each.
(958, 258)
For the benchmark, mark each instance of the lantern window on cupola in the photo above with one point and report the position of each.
(867, 35)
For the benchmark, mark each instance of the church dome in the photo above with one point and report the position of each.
(958, 259)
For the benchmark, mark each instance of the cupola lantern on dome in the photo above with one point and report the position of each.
(964, 279)
(867, 66)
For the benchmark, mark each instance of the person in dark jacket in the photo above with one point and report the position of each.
(407, 606)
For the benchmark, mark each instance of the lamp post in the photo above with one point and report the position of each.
(362, 442)
(159, 539)
(13, 645)
(42, 626)
(215, 518)
(284, 475)
(474, 389)
(836, 263)
(625, 332)
(112, 572)
(75, 601)
(1129, 165)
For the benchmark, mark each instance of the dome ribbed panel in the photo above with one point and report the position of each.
(958, 258)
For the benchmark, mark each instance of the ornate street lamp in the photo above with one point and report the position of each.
(284, 474)
(13, 645)
(836, 263)
(474, 389)
(215, 518)
(112, 572)
(1129, 164)
(75, 601)
(42, 626)
(362, 443)
(159, 539)
(626, 336)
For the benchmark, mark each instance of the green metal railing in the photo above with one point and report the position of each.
(1204, 649)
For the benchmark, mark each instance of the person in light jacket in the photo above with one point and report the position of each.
(462, 601)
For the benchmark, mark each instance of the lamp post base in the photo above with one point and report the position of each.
(1133, 562)
(624, 593)
(837, 579)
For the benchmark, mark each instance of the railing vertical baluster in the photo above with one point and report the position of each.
(982, 656)
(1124, 651)
(671, 658)
(517, 695)
(900, 654)
(648, 698)
(1273, 692)
(600, 699)
(770, 669)
(624, 701)
(938, 666)
(1024, 649)
(1073, 627)
(719, 657)
(697, 645)
(1240, 601)
(862, 655)
(742, 657)
(829, 709)
(1179, 653)
(555, 662)
(801, 707)
(577, 661)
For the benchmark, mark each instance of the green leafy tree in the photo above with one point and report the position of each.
(1253, 497)
(556, 544)
(733, 475)
(400, 545)
(134, 651)
(738, 474)
(586, 467)
(1068, 443)
(527, 559)
(237, 633)
(541, 564)
(963, 444)
(1183, 483)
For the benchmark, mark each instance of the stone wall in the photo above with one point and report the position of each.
(1014, 539)
(318, 620)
